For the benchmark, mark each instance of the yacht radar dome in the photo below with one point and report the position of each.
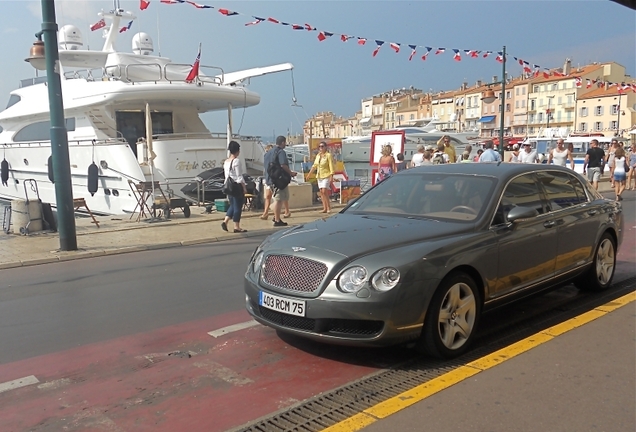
(70, 38)
(142, 44)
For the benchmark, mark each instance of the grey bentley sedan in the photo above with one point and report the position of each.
(421, 255)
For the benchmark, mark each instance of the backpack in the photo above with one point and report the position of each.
(279, 178)
(438, 159)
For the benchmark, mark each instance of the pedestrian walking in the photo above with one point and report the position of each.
(631, 157)
(528, 155)
(609, 157)
(418, 158)
(489, 155)
(514, 154)
(386, 164)
(620, 174)
(323, 166)
(232, 168)
(267, 190)
(594, 163)
(281, 195)
(560, 155)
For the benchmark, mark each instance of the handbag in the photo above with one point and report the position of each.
(230, 187)
(626, 165)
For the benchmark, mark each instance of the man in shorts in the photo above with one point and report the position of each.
(281, 196)
(594, 161)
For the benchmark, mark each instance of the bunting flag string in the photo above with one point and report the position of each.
(323, 35)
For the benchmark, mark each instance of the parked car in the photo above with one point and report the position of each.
(421, 255)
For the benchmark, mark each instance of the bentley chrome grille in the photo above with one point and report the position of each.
(293, 273)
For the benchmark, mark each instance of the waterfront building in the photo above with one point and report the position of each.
(607, 111)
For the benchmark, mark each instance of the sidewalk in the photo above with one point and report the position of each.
(120, 234)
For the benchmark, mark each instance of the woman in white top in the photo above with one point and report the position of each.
(232, 168)
(560, 155)
(620, 174)
(611, 154)
(514, 154)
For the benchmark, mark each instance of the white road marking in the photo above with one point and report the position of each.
(229, 329)
(20, 382)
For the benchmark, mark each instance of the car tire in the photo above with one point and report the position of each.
(452, 318)
(601, 273)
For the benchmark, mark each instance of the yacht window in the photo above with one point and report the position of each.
(14, 99)
(40, 131)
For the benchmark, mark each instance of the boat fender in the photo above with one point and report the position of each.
(50, 169)
(92, 178)
(4, 172)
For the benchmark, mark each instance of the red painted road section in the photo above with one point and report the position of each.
(134, 384)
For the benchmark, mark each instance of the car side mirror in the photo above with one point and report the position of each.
(521, 212)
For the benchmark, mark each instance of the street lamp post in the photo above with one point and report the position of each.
(548, 113)
(489, 97)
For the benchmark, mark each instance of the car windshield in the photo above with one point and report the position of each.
(454, 197)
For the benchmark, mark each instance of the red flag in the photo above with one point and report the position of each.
(546, 73)
(588, 83)
(395, 46)
(99, 24)
(413, 49)
(428, 50)
(440, 50)
(457, 56)
(361, 41)
(199, 6)
(143, 4)
(324, 35)
(577, 82)
(274, 20)
(126, 27)
(194, 72)
(499, 57)
(345, 38)
(379, 45)
(309, 27)
(227, 12)
(487, 53)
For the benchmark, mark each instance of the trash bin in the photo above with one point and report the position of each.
(26, 218)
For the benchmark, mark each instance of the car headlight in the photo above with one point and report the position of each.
(385, 279)
(258, 261)
(352, 279)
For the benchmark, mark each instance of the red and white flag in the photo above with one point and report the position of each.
(499, 57)
(273, 20)
(99, 24)
(257, 20)
(227, 12)
(546, 73)
(487, 53)
(198, 6)
(588, 83)
(395, 46)
(194, 72)
(413, 50)
(578, 82)
(440, 50)
(125, 28)
(457, 56)
(379, 44)
(428, 50)
(308, 27)
(345, 38)
(324, 35)
(362, 41)
(143, 4)
(526, 67)
(537, 70)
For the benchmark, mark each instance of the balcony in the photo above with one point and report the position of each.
(568, 105)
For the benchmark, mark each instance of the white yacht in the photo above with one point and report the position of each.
(133, 114)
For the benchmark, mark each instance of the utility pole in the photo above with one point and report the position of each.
(59, 138)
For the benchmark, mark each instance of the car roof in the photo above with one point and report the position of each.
(500, 170)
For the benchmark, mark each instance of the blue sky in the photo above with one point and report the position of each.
(335, 75)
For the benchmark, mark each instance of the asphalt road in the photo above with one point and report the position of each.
(106, 335)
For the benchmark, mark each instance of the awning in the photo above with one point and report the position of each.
(365, 120)
(486, 119)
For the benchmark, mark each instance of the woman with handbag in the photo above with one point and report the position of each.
(323, 165)
(234, 187)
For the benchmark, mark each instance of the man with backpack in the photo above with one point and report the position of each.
(440, 156)
(278, 176)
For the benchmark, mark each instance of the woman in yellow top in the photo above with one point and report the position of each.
(323, 165)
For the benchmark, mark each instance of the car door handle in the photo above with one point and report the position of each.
(549, 224)
(592, 212)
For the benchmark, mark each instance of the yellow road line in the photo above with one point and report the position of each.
(429, 388)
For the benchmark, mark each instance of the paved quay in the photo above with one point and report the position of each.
(121, 234)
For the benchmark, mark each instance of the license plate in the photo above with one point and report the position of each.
(281, 304)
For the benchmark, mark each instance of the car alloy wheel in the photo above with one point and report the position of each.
(452, 317)
(600, 275)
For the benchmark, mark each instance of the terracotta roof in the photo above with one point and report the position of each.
(602, 92)
(584, 70)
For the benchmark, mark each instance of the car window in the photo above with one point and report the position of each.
(434, 196)
(580, 189)
(522, 191)
(559, 189)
